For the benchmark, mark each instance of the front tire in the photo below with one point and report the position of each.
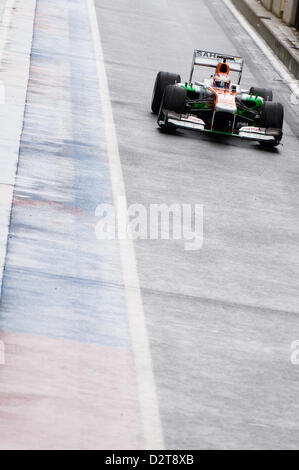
(272, 115)
(272, 118)
(162, 80)
(174, 99)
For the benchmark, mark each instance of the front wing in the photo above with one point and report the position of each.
(189, 121)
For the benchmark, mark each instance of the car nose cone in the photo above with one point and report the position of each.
(225, 108)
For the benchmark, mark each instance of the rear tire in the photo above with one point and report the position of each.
(265, 93)
(162, 80)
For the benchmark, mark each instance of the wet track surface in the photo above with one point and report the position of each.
(220, 320)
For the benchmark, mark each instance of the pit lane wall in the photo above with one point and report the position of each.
(285, 9)
(271, 20)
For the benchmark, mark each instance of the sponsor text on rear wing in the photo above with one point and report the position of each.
(212, 59)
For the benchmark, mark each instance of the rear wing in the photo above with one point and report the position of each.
(212, 59)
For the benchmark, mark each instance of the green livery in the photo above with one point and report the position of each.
(216, 105)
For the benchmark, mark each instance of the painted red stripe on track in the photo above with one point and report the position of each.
(57, 394)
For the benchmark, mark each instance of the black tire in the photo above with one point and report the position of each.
(272, 115)
(272, 118)
(174, 99)
(265, 93)
(162, 80)
(163, 121)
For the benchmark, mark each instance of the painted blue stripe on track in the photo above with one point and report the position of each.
(59, 280)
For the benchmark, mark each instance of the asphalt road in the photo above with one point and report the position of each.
(221, 320)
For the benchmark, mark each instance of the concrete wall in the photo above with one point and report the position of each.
(267, 4)
(285, 9)
(278, 7)
(290, 10)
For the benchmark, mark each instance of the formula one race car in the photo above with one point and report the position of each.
(216, 105)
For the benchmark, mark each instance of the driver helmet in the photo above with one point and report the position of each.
(222, 81)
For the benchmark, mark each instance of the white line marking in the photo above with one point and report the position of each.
(288, 78)
(145, 378)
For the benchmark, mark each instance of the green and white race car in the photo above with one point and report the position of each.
(216, 105)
